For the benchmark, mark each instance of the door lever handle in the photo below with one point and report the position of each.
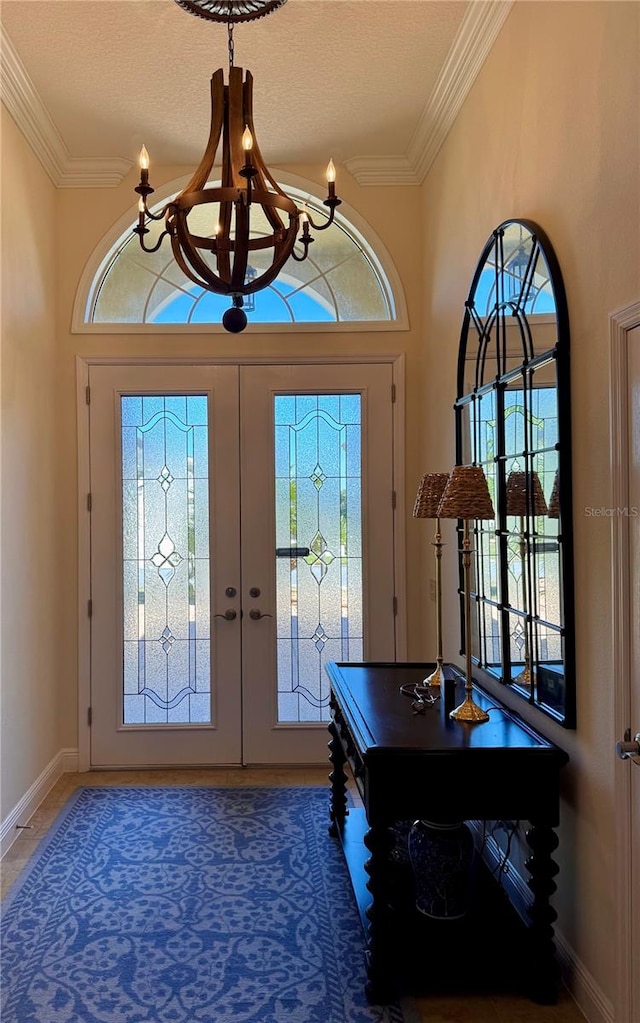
(629, 747)
(228, 615)
(256, 614)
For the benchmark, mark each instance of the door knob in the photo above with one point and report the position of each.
(228, 615)
(629, 747)
(256, 614)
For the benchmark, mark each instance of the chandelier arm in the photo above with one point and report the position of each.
(327, 223)
(141, 231)
(301, 259)
(162, 214)
(201, 175)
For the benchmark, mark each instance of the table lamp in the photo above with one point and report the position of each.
(525, 497)
(430, 491)
(466, 496)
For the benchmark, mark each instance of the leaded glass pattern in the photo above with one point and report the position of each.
(318, 488)
(165, 517)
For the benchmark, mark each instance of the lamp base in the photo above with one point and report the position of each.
(469, 711)
(524, 678)
(436, 678)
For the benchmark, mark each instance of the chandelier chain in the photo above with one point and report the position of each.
(230, 34)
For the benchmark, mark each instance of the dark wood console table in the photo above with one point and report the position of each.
(425, 766)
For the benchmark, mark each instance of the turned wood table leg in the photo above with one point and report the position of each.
(338, 779)
(542, 868)
(379, 987)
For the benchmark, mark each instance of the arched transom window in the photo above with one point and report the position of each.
(342, 280)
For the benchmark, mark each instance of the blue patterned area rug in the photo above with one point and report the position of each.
(187, 906)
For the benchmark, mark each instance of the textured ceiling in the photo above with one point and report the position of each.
(340, 78)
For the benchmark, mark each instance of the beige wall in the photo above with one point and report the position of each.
(31, 570)
(550, 133)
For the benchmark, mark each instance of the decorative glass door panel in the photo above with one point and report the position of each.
(317, 544)
(165, 539)
(165, 670)
(318, 495)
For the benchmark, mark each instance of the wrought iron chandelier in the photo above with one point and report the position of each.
(219, 261)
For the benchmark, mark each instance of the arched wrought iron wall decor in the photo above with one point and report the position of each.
(513, 418)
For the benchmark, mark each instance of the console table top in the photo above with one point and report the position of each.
(381, 718)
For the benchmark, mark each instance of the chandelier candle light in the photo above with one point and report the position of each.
(466, 496)
(219, 261)
(525, 497)
(430, 491)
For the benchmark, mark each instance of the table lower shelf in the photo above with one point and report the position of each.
(486, 950)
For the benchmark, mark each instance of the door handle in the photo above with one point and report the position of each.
(628, 748)
(256, 614)
(228, 615)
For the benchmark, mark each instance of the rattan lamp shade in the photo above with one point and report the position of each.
(554, 501)
(525, 495)
(430, 491)
(466, 495)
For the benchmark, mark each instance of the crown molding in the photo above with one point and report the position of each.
(382, 170)
(478, 32)
(21, 99)
(480, 27)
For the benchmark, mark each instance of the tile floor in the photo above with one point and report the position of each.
(485, 1008)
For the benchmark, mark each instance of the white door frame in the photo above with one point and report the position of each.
(620, 323)
(84, 534)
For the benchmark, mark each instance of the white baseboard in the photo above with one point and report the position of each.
(64, 761)
(587, 995)
(580, 984)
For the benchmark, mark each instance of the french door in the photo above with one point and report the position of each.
(241, 537)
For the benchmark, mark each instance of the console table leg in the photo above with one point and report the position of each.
(542, 868)
(338, 779)
(379, 958)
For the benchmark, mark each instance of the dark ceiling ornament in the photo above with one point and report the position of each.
(219, 261)
(230, 10)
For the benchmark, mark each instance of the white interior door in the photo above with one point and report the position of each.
(317, 545)
(165, 667)
(625, 523)
(242, 536)
(633, 766)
